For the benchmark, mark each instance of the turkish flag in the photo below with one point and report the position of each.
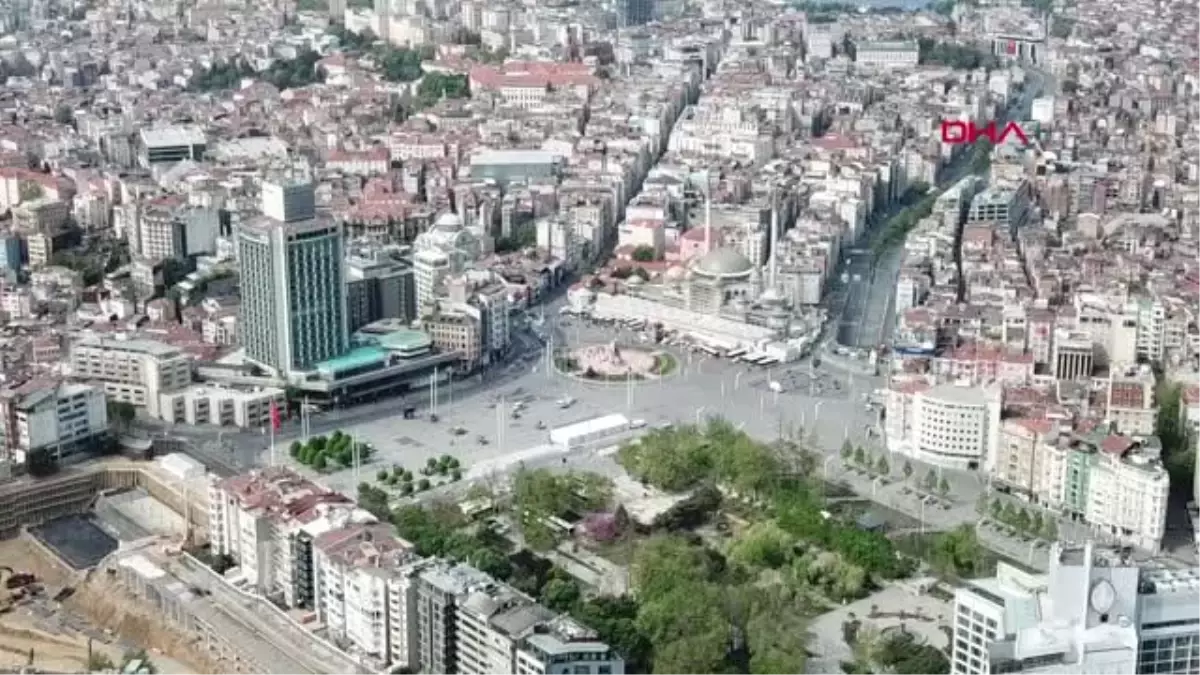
(275, 416)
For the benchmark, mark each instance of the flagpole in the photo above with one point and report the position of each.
(274, 423)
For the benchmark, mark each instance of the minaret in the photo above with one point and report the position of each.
(772, 276)
(707, 217)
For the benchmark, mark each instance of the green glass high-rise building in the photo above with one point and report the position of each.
(293, 312)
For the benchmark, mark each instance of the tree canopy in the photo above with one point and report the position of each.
(954, 55)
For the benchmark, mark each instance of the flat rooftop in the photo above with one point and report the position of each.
(77, 540)
(164, 137)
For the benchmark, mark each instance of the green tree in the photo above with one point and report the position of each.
(423, 485)
(1178, 441)
(672, 459)
(382, 475)
(997, 510)
(981, 505)
(560, 594)
(860, 456)
(958, 553)
(882, 466)
(644, 253)
(762, 545)
(320, 464)
(847, 451)
(373, 500)
(1035, 524)
(296, 449)
(931, 481)
(1008, 514)
(943, 487)
(1049, 529)
(907, 470)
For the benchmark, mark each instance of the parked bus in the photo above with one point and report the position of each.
(734, 353)
(708, 350)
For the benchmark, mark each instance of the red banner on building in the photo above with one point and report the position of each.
(1012, 46)
(275, 422)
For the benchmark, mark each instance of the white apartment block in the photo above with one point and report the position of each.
(1093, 612)
(354, 567)
(221, 406)
(1023, 463)
(945, 425)
(267, 520)
(496, 629)
(49, 415)
(132, 371)
(1116, 484)
(1127, 494)
(564, 646)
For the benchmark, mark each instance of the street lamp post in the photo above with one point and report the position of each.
(699, 411)
(737, 379)
(922, 516)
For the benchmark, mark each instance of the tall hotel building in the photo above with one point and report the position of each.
(293, 285)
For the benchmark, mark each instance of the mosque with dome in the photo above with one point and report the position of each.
(724, 283)
(443, 250)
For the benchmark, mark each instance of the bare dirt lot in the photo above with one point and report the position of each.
(58, 632)
(60, 653)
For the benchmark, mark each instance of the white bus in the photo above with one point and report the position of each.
(734, 353)
(708, 350)
(767, 361)
(752, 358)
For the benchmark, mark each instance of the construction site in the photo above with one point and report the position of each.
(61, 615)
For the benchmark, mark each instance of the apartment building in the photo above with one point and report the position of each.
(354, 567)
(268, 520)
(1130, 404)
(562, 645)
(1021, 461)
(307, 547)
(133, 371)
(47, 414)
(1127, 491)
(457, 329)
(1094, 611)
(466, 622)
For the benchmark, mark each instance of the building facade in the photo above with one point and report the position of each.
(1095, 611)
(946, 425)
(293, 289)
(132, 371)
(48, 415)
